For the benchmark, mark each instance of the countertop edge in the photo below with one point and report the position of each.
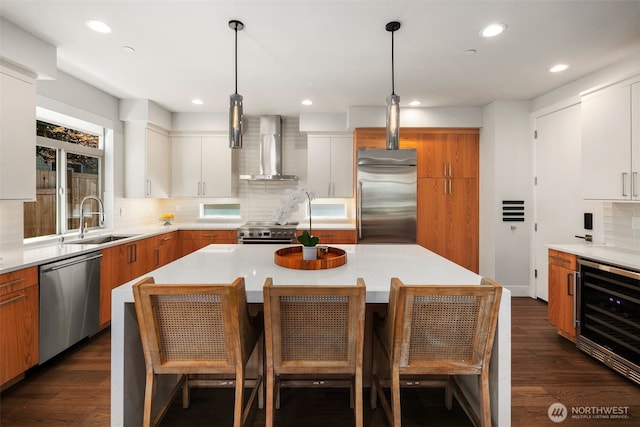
(622, 257)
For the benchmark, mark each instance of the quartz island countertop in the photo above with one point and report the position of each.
(375, 263)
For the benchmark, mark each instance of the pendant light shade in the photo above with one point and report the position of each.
(393, 100)
(235, 102)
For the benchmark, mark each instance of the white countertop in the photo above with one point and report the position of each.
(622, 257)
(376, 264)
(19, 257)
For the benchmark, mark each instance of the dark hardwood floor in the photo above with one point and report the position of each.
(74, 389)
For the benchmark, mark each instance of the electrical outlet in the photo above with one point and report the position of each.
(635, 223)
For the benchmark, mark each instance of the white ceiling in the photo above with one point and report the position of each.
(336, 53)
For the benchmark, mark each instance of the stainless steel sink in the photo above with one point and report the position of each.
(101, 239)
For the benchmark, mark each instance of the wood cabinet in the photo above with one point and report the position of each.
(448, 154)
(448, 219)
(192, 174)
(562, 292)
(377, 138)
(166, 249)
(611, 143)
(19, 323)
(109, 279)
(125, 262)
(17, 136)
(448, 194)
(147, 161)
(345, 237)
(192, 240)
(330, 166)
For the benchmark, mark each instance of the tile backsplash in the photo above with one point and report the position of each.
(618, 221)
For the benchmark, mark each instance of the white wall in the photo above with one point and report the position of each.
(505, 174)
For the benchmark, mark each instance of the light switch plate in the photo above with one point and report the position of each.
(635, 223)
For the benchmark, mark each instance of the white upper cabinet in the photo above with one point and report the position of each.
(635, 141)
(147, 161)
(610, 141)
(202, 166)
(17, 136)
(330, 165)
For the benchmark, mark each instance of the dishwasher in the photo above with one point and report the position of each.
(69, 303)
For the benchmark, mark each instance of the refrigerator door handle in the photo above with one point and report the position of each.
(359, 209)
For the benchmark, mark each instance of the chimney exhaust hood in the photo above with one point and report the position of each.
(270, 152)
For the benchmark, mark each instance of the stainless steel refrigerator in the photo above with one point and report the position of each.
(386, 199)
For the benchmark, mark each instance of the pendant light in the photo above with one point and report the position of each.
(393, 100)
(235, 104)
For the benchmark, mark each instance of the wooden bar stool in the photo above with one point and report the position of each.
(191, 329)
(431, 333)
(314, 331)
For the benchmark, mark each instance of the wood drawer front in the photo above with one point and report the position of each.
(166, 239)
(19, 337)
(563, 259)
(214, 236)
(17, 280)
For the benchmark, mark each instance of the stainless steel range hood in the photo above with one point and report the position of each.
(270, 152)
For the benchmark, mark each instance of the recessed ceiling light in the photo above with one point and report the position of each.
(197, 101)
(558, 67)
(493, 30)
(307, 102)
(98, 26)
(414, 103)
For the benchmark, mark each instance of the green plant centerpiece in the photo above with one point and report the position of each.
(289, 204)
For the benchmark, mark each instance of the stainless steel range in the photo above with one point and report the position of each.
(257, 232)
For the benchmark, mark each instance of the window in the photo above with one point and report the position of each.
(220, 210)
(69, 163)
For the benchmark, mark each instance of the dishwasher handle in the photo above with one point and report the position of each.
(71, 261)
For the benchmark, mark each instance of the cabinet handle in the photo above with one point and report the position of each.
(13, 282)
(576, 278)
(634, 184)
(213, 236)
(624, 184)
(157, 256)
(444, 186)
(359, 209)
(148, 187)
(450, 170)
(203, 190)
(198, 188)
(569, 276)
(444, 168)
(450, 185)
(14, 299)
(164, 239)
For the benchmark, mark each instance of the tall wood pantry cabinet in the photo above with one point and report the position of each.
(448, 201)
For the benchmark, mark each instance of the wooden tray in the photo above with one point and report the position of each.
(291, 257)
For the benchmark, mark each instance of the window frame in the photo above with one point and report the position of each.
(63, 148)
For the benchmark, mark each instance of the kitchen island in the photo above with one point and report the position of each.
(376, 264)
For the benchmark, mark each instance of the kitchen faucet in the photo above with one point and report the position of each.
(100, 214)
